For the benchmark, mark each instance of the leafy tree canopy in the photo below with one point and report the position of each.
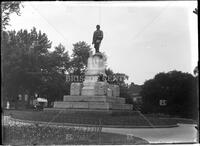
(29, 66)
(7, 8)
(178, 88)
(79, 57)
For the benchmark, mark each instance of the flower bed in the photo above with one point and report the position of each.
(35, 134)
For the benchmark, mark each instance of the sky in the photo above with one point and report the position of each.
(141, 39)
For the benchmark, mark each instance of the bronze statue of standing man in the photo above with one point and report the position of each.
(97, 38)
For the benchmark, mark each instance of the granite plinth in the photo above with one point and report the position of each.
(94, 88)
(92, 105)
(96, 64)
(109, 92)
(75, 88)
(115, 90)
(68, 98)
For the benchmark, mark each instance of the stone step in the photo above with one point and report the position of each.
(92, 105)
(84, 105)
(94, 99)
(122, 106)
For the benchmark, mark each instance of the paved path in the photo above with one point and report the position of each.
(185, 133)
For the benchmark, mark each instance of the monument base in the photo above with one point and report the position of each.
(95, 93)
(69, 98)
(93, 102)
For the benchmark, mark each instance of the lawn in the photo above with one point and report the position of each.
(43, 135)
(93, 118)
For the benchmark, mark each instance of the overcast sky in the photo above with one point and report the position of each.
(141, 39)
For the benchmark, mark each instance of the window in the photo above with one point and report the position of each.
(163, 102)
(20, 97)
(26, 97)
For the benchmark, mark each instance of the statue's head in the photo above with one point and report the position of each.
(98, 27)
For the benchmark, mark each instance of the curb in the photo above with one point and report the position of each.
(90, 125)
(179, 119)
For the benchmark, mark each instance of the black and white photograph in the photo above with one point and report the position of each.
(99, 73)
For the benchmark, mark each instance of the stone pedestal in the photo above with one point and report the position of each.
(93, 94)
(75, 89)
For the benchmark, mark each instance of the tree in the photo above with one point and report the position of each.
(54, 82)
(177, 88)
(22, 60)
(8, 8)
(29, 66)
(79, 58)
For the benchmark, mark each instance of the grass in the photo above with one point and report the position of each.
(43, 135)
(93, 118)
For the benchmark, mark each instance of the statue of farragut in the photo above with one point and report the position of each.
(97, 38)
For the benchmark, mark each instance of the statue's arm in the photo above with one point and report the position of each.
(102, 35)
